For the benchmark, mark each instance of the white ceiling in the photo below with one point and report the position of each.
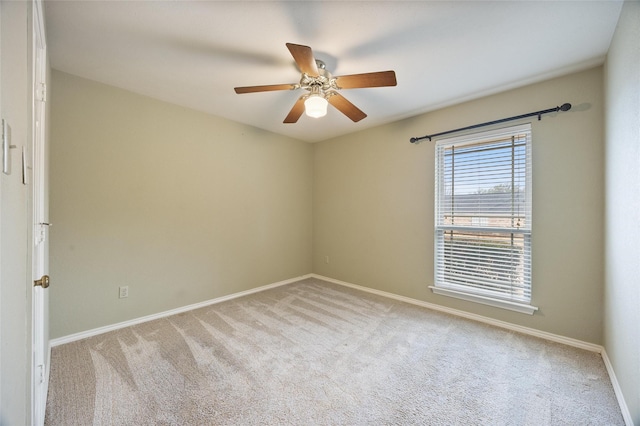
(193, 53)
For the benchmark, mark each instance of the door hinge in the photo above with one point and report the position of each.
(41, 232)
(41, 373)
(41, 92)
(41, 235)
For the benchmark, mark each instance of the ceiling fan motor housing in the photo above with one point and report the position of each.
(321, 83)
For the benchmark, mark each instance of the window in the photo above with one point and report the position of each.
(483, 218)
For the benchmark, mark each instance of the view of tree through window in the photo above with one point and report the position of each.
(483, 214)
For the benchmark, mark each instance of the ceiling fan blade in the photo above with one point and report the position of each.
(268, 88)
(303, 56)
(296, 111)
(347, 108)
(371, 79)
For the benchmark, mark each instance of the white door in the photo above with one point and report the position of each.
(40, 373)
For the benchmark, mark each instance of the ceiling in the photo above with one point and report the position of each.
(193, 53)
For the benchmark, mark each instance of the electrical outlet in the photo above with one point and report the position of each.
(124, 291)
(326, 259)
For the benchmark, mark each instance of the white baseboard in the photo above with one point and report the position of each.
(503, 324)
(100, 330)
(626, 414)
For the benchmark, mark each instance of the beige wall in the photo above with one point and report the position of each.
(622, 248)
(183, 207)
(15, 219)
(180, 206)
(373, 204)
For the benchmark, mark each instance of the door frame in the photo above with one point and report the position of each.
(41, 351)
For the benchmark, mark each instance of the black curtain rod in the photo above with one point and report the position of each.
(563, 107)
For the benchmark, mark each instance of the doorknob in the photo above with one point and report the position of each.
(44, 282)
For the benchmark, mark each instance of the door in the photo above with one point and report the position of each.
(40, 258)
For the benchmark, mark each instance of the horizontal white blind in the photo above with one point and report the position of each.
(483, 214)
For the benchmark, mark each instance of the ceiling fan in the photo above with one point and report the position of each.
(322, 87)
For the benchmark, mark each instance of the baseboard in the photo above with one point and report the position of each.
(100, 330)
(626, 414)
(502, 324)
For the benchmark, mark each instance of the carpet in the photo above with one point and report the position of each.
(316, 353)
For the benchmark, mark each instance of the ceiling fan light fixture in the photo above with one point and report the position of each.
(315, 105)
(322, 86)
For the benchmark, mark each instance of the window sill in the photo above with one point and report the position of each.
(498, 303)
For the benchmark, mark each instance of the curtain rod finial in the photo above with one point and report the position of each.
(418, 140)
(565, 107)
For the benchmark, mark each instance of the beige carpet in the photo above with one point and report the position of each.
(317, 353)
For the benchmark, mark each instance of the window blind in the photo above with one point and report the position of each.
(483, 214)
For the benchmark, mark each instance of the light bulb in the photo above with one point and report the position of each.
(315, 106)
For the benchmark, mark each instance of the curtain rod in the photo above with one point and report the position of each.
(563, 107)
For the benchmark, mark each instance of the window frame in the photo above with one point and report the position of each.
(474, 291)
